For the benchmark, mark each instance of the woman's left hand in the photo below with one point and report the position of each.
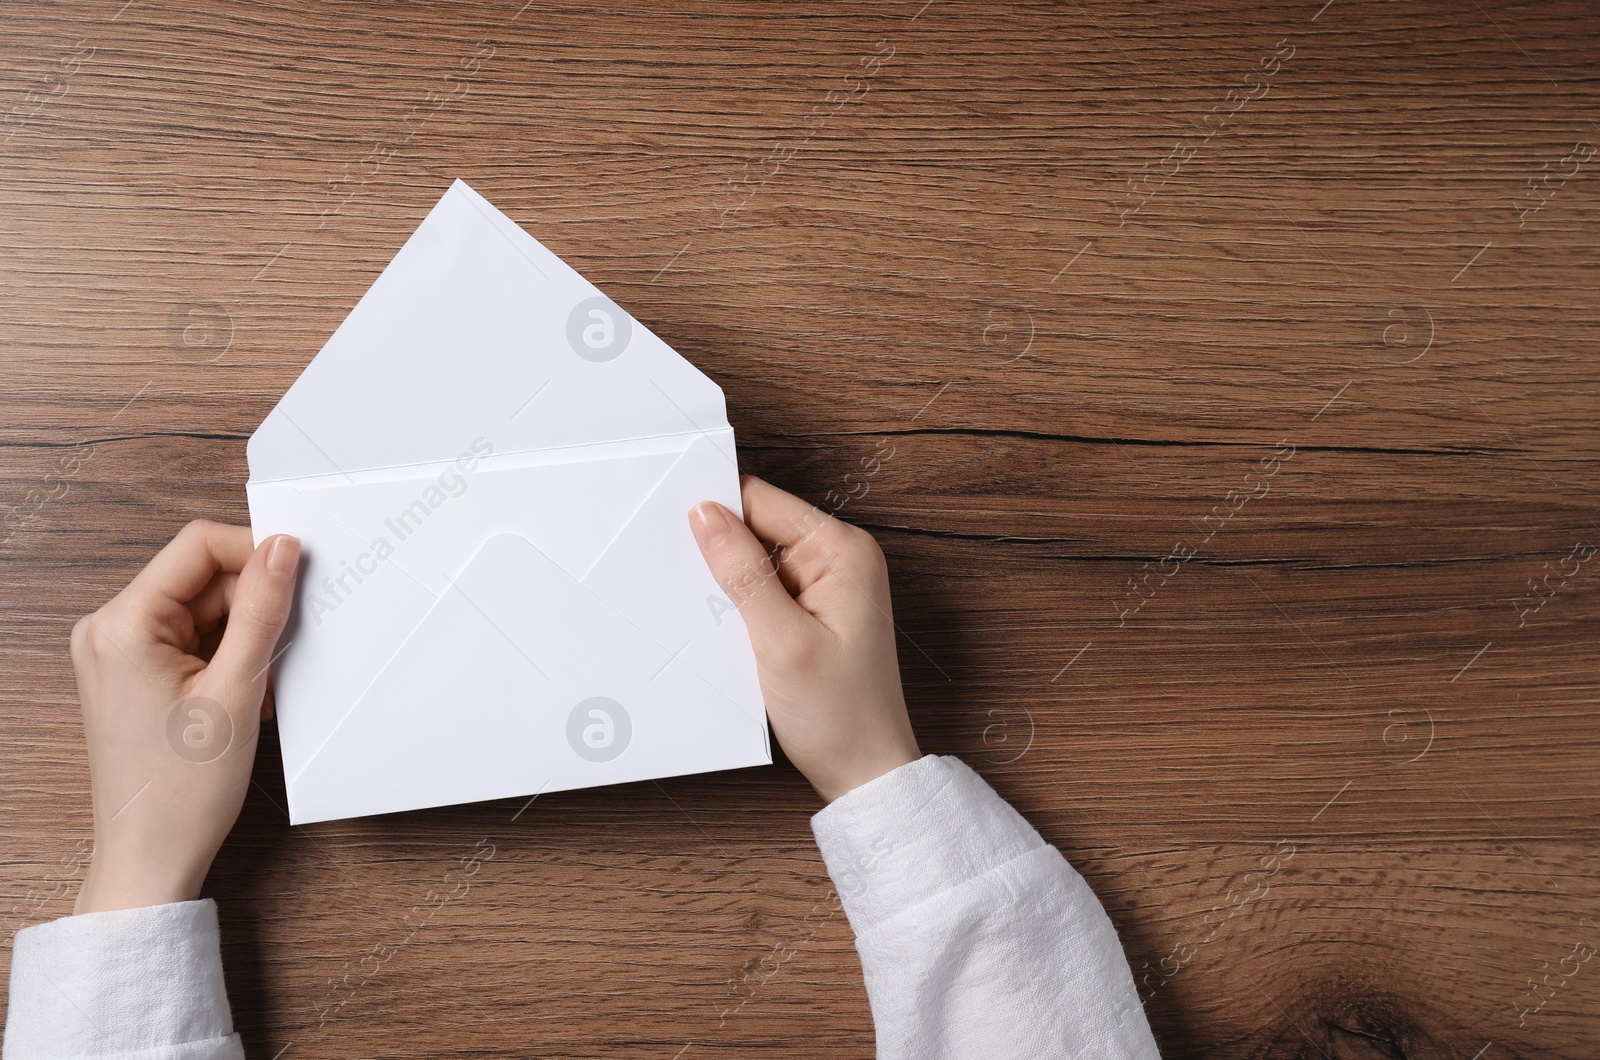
(172, 704)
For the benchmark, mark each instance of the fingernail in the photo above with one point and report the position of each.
(284, 555)
(710, 522)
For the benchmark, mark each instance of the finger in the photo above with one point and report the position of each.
(809, 539)
(214, 601)
(741, 566)
(183, 568)
(261, 602)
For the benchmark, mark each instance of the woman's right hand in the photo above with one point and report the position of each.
(814, 593)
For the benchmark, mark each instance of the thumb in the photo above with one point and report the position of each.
(261, 602)
(742, 567)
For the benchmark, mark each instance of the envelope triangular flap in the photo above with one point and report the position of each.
(476, 330)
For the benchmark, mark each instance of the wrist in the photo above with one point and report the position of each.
(863, 770)
(114, 882)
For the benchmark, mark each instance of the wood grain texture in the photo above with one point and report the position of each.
(1006, 243)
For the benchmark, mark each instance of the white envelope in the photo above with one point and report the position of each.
(490, 466)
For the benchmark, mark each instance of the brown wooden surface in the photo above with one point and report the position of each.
(934, 257)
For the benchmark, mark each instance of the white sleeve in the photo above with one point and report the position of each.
(128, 984)
(977, 938)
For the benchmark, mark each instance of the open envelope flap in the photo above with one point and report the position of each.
(521, 680)
(475, 330)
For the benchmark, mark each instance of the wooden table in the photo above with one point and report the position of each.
(1236, 363)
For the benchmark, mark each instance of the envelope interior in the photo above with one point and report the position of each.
(431, 525)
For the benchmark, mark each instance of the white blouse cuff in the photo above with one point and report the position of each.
(913, 833)
(136, 984)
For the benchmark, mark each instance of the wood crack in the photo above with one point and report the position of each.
(1152, 443)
